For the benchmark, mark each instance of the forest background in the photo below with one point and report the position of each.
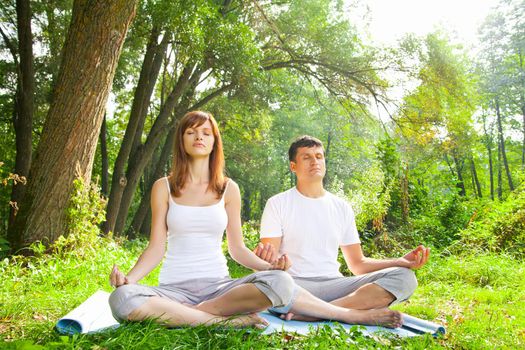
(444, 165)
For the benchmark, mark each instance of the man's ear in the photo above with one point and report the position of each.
(292, 166)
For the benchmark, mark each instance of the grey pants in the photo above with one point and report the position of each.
(399, 281)
(277, 285)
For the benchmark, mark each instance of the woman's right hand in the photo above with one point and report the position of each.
(282, 263)
(117, 277)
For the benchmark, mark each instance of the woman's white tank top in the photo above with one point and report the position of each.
(194, 242)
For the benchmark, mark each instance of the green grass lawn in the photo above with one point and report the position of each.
(479, 297)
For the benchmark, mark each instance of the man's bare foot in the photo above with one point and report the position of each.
(376, 317)
(372, 317)
(250, 320)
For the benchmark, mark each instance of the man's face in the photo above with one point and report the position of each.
(309, 164)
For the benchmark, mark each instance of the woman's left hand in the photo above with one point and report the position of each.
(282, 263)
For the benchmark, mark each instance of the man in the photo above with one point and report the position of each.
(309, 225)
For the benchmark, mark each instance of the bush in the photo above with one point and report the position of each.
(499, 226)
(84, 214)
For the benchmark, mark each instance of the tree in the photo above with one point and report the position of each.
(496, 83)
(69, 138)
(438, 113)
(24, 101)
(238, 49)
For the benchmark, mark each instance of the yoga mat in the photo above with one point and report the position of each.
(94, 315)
(412, 326)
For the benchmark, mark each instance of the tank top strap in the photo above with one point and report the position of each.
(225, 189)
(169, 189)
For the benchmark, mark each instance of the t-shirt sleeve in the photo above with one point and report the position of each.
(350, 234)
(271, 221)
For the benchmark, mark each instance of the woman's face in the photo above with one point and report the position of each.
(199, 140)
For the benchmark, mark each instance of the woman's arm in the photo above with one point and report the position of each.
(154, 252)
(238, 251)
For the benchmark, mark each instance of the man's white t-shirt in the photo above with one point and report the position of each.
(312, 229)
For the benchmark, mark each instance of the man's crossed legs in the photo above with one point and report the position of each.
(374, 290)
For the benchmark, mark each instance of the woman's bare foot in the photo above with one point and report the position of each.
(291, 316)
(250, 320)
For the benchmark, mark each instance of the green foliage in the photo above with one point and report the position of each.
(85, 212)
(5, 181)
(4, 247)
(371, 197)
(499, 226)
(440, 222)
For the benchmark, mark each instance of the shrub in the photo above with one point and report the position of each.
(499, 226)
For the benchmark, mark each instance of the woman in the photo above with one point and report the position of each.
(190, 210)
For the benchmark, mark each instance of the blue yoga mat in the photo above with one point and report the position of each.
(94, 315)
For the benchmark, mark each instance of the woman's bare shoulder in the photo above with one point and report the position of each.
(230, 185)
(160, 187)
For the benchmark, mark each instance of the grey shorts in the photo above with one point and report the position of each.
(399, 281)
(277, 285)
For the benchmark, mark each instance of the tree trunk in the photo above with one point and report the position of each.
(488, 144)
(523, 141)
(55, 44)
(159, 57)
(146, 224)
(460, 184)
(24, 104)
(160, 170)
(142, 157)
(104, 158)
(246, 204)
(405, 197)
(502, 143)
(491, 174)
(475, 180)
(160, 128)
(69, 138)
(500, 181)
(327, 157)
(522, 106)
(145, 86)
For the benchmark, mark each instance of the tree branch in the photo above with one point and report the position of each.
(10, 46)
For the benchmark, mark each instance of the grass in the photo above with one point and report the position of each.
(478, 296)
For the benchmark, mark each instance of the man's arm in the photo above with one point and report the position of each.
(360, 264)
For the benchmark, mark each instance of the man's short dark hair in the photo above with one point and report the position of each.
(302, 141)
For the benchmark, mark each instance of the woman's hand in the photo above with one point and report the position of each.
(267, 253)
(117, 277)
(282, 263)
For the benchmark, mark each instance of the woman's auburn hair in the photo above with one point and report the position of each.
(180, 164)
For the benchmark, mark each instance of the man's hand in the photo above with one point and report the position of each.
(266, 252)
(415, 258)
(282, 263)
(117, 278)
